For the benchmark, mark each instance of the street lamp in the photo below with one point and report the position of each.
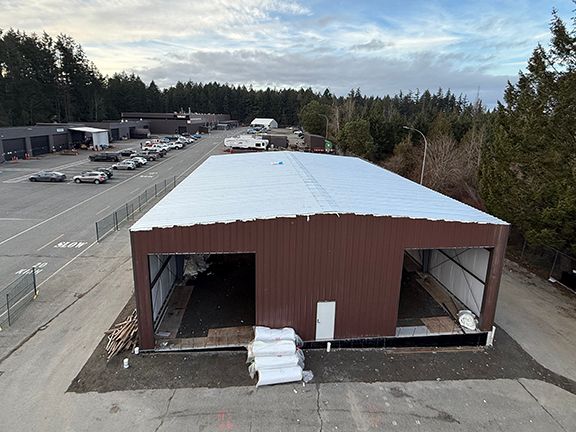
(425, 149)
(326, 117)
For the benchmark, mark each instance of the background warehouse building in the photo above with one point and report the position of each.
(333, 246)
(178, 122)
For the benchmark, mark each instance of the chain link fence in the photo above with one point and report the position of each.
(126, 212)
(543, 260)
(16, 296)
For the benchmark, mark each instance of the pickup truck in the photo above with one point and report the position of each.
(104, 157)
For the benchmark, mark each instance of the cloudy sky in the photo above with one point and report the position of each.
(380, 46)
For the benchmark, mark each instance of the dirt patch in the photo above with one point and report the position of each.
(226, 369)
(223, 296)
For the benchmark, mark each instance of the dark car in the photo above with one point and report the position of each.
(104, 157)
(109, 173)
(146, 154)
(48, 176)
(127, 152)
(158, 153)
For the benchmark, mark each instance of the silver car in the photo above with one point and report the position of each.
(95, 177)
(124, 165)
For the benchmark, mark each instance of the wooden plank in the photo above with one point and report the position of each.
(175, 311)
(440, 295)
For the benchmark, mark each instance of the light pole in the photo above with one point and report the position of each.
(425, 149)
(326, 117)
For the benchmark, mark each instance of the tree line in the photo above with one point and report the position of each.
(518, 161)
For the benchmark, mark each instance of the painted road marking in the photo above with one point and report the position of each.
(65, 265)
(71, 245)
(17, 219)
(49, 243)
(58, 168)
(71, 208)
(104, 209)
(38, 268)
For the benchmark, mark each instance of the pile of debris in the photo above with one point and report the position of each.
(123, 336)
(276, 356)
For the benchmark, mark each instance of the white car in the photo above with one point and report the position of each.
(95, 177)
(124, 165)
(140, 159)
(176, 145)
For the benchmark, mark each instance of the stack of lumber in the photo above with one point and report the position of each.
(123, 336)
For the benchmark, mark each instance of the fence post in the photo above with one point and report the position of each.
(155, 191)
(174, 181)
(34, 281)
(165, 185)
(127, 214)
(552, 269)
(139, 205)
(97, 233)
(8, 308)
(115, 220)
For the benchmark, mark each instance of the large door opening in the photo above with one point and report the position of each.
(210, 304)
(437, 285)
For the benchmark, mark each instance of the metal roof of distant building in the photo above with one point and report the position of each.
(268, 185)
(88, 129)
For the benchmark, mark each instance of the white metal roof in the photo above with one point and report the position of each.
(267, 185)
(263, 121)
(88, 129)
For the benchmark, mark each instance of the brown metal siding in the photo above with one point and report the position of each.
(353, 260)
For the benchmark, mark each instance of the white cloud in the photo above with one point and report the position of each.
(297, 43)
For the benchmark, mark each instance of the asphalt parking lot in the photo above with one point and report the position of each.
(46, 225)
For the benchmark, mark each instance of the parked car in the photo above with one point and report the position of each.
(196, 136)
(150, 156)
(138, 160)
(106, 171)
(127, 152)
(95, 177)
(158, 152)
(176, 145)
(124, 165)
(48, 176)
(104, 157)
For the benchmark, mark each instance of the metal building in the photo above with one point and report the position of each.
(176, 122)
(329, 237)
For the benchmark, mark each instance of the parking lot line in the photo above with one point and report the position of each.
(104, 209)
(74, 206)
(58, 168)
(49, 243)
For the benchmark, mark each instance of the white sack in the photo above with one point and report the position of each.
(267, 334)
(277, 376)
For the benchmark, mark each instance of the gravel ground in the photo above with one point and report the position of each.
(227, 368)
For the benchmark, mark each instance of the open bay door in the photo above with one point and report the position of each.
(325, 317)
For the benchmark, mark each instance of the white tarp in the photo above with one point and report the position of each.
(447, 266)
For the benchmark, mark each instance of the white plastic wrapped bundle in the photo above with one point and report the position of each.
(276, 362)
(278, 376)
(267, 334)
(272, 348)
